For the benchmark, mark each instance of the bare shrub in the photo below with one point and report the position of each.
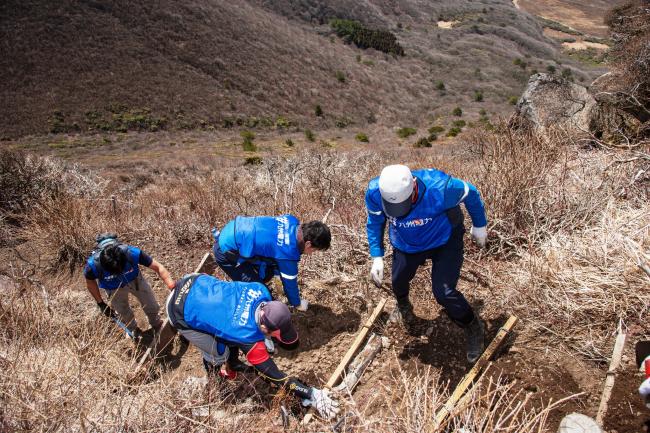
(24, 180)
(630, 56)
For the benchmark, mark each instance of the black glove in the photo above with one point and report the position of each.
(105, 309)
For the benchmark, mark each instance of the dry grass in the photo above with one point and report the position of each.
(567, 229)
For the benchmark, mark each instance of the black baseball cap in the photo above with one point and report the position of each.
(277, 316)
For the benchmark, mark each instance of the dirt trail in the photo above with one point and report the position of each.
(585, 16)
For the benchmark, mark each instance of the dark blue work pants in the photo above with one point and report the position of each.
(241, 271)
(445, 271)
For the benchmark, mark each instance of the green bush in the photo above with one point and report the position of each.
(459, 123)
(362, 137)
(433, 137)
(550, 69)
(354, 32)
(482, 112)
(567, 74)
(122, 119)
(340, 76)
(248, 144)
(289, 142)
(454, 132)
(478, 96)
(318, 111)
(513, 100)
(457, 112)
(436, 129)
(282, 123)
(423, 142)
(309, 135)
(440, 85)
(406, 132)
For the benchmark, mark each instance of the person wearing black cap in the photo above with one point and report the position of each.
(425, 222)
(222, 318)
(115, 268)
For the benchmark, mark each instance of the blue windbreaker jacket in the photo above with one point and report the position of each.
(426, 226)
(223, 309)
(262, 238)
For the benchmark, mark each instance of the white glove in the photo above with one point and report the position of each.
(377, 270)
(479, 235)
(644, 389)
(270, 346)
(326, 406)
(304, 304)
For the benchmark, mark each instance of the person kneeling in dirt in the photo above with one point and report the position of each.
(221, 318)
(425, 221)
(116, 267)
(257, 248)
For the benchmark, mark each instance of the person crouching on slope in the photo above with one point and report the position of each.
(221, 318)
(116, 267)
(425, 221)
(257, 248)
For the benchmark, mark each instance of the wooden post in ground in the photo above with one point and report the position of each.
(476, 370)
(349, 354)
(611, 374)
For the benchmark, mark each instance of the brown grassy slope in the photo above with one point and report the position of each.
(208, 61)
(565, 263)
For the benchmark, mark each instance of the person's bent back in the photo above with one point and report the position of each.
(254, 249)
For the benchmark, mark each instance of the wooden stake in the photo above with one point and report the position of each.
(350, 353)
(476, 370)
(611, 373)
(360, 363)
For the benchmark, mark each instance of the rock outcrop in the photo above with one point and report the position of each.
(550, 101)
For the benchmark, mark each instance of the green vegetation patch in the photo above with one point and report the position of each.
(362, 137)
(120, 118)
(423, 142)
(406, 132)
(354, 32)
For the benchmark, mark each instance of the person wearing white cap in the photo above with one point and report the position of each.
(425, 222)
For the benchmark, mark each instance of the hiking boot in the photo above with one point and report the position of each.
(404, 314)
(405, 311)
(238, 366)
(474, 334)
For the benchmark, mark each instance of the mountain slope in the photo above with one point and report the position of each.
(79, 65)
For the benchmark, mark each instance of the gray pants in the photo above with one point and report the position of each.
(206, 343)
(119, 301)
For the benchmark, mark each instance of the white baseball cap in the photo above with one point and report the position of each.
(396, 188)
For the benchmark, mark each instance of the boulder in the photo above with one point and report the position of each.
(551, 101)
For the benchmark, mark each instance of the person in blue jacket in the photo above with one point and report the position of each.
(224, 318)
(258, 248)
(425, 222)
(115, 268)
